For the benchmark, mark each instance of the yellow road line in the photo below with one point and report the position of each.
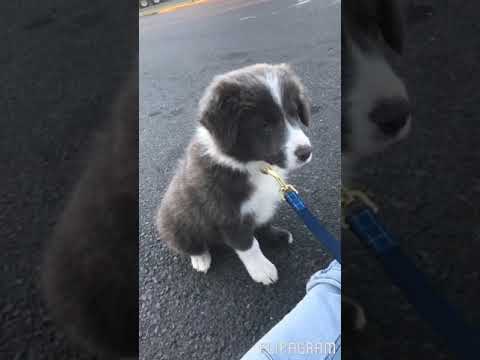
(171, 8)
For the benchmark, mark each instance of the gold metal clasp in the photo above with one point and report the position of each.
(349, 196)
(284, 187)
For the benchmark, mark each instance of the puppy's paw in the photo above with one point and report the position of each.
(354, 315)
(201, 262)
(263, 271)
(290, 237)
(274, 237)
(360, 320)
(282, 236)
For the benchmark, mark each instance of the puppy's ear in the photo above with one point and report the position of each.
(392, 22)
(296, 92)
(219, 110)
(303, 108)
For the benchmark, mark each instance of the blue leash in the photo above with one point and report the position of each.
(364, 223)
(447, 322)
(327, 239)
(292, 197)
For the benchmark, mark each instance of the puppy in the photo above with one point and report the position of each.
(90, 270)
(376, 111)
(248, 118)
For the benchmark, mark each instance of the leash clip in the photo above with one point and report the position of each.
(284, 187)
(350, 196)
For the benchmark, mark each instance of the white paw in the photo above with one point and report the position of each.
(290, 237)
(263, 272)
(258, 266)
(202, 262)
(360, 319)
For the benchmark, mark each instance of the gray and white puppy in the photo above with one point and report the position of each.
(248, 118)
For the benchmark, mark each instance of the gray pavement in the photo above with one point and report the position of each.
(428, 187)
(61, 67)
(184, 314)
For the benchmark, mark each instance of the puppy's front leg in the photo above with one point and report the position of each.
(243, 241)
(258, 266)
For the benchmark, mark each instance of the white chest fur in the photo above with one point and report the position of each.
(265, 198)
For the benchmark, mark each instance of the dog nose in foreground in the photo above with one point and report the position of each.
(391, 115)
(303, 152)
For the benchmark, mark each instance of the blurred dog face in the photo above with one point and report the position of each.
(256, 114)
(376, 111)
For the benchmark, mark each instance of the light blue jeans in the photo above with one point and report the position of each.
(312, 329)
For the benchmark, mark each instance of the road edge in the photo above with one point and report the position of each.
(163, 9)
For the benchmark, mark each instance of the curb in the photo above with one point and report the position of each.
(171, 8)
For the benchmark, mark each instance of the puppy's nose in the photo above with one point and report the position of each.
(391, 115)
(303, 152)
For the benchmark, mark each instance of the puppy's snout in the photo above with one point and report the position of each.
(303, 152)
(391, 115)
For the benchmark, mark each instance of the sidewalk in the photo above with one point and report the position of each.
(169, 6)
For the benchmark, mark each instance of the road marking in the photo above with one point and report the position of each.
(300, 3)
(247, 18)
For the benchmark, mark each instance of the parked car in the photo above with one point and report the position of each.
(146, 3)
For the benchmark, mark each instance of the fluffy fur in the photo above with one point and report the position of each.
(90, 273)
(247, 118)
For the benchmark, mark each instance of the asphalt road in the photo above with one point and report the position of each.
(61, 67)
(184, 314)
(428, 187)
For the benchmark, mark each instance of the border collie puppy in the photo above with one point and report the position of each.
(90, 270)
(248, 118)
(376, 111)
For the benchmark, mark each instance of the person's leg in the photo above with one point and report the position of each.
(312, 329)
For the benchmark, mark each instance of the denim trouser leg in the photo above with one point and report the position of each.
(311, 330)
